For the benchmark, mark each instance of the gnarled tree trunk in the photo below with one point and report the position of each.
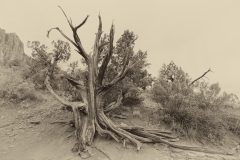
(89, 115)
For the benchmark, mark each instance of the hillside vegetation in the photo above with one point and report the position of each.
(195, 109)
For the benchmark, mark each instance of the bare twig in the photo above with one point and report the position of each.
(209, 70)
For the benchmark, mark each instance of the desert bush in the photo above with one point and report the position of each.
(24, 91)
(231, 123)
(38, 79)
(203, 123)
(25, 74)
(131, 95)
(192, 110)
(15, 89)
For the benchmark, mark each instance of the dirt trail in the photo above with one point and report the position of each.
(28, 133)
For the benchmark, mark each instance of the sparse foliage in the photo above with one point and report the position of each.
(43, 61)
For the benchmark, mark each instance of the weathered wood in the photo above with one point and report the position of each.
(89, 115)
(112, 106)
(118, 116)
(106, 59)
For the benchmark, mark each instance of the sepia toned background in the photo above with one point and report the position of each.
(196, 35)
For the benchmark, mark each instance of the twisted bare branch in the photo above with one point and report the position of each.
(62, 35)
(209, 70)
(77, 42)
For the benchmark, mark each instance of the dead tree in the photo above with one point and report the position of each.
(89, 116)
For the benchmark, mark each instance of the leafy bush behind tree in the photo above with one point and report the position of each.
(192, 109)
(137, 78)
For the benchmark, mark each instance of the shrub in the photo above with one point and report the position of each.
(15, 63)
(15, 89)
(232, 123)
(38, 79)
(202, 123)
(192, 110)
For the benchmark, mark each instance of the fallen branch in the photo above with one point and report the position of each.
(162, 135)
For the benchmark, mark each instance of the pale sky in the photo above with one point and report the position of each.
(196, 35)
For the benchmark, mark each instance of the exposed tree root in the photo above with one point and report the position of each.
(118, 116)
(159, 131)
(136, 135)
(162, 134)
(122, 133)
(103, 131)
(158, 139)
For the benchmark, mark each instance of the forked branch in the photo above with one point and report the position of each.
(77, 42)
(62, 35)
(75, 35)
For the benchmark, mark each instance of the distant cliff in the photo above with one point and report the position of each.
(11, 48)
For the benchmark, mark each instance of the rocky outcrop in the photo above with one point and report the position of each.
(11, 48)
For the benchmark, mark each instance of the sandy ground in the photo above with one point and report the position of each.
(28, 132)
